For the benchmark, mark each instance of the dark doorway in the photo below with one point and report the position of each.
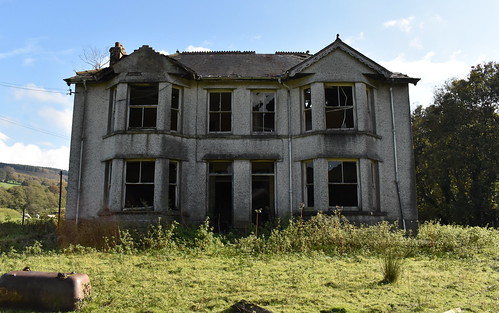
(262, 192)
(220, 196)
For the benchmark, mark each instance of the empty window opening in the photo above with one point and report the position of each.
(143, 106)
(139, 185)
(342, 180)
(175, 109)
(173, 178)
(374, 188)
(220, 112)
(262, 191)
(307, 109)
(339, 107)
(263, 111)
(371, 118)
(220, 208)
(309, 183)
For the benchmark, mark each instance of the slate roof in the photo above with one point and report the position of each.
(239, 65)
(250, 65)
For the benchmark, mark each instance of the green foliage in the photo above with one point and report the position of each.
(456, 150)
(391, 265)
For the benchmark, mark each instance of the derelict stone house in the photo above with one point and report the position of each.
(221, 134)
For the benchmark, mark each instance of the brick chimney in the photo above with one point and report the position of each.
(116, 53)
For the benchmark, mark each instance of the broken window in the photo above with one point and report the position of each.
(139, 184)
(220, 112)
(111, 109)
(263, 111)
(371, 117)
(339, 106)
(307, 108)
(220, 195)
(143, 106)
(173, 185)
(309, 183)
(262, 191)
(175, 109)
(342, 180)
(374, 190)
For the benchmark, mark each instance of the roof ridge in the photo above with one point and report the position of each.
(292, 52)
(218, 52)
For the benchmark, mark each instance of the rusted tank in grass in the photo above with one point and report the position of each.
(43, 291)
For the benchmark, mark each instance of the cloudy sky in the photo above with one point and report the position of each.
(41, 43)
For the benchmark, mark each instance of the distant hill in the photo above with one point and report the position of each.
(38, 171)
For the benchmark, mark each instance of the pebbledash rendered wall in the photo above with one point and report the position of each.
(101, 140)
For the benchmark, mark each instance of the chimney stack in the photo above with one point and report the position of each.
(116, 53)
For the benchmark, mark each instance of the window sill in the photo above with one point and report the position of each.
(309, 213)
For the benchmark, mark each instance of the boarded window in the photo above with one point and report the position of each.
(339, 107)
(263, 111)
(139, 185)
(220, 112)
(143, 106)
(342, 180)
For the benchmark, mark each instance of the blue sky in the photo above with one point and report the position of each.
(41, 43)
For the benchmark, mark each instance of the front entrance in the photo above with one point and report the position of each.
(220, 196)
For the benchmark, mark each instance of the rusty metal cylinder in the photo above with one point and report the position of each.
(44, 291)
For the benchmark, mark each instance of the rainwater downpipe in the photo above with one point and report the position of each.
(395, 157)
(82, 137)
(290, 149)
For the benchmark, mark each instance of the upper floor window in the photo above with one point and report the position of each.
(307, 109)
(143, 106)
(220, 112)
(175, 109)
(263, 111)
(339, 106)
(342, 181)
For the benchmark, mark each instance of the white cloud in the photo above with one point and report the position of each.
(416, 43)
(404, 24)
(29, 154)
(34, 92)
(192, 48)
(61, 118)
(163, 52)
(28, 61)
(351, 40)
(433, 74)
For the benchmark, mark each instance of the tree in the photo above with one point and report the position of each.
(456, 149)
(94, 57)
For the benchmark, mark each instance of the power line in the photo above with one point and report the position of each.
(4, 84)
(3, 118)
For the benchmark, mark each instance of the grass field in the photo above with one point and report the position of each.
(9, 215)
(8, 185)
(160, 273)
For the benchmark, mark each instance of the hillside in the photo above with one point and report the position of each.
(37, 171)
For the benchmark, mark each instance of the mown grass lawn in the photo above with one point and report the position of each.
(290, 283)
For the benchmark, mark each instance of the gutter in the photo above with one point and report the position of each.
(395, 157)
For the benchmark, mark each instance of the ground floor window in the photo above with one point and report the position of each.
(173, 178)
(220, 195)
(342, 184)
(308, 168)
(139, 185)
(262, 191)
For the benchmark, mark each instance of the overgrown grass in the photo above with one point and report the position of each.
(324, 264)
